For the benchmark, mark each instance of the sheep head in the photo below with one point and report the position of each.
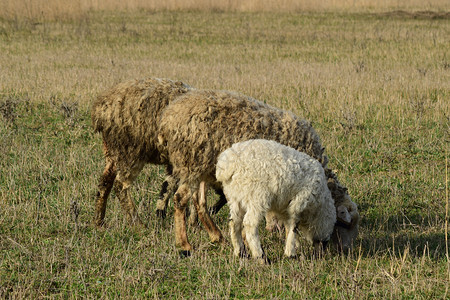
(346, 228)
(347, 215)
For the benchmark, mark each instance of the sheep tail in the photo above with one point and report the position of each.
(226, 166)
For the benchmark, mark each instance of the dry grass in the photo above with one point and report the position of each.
(375, 86)
(38, 10)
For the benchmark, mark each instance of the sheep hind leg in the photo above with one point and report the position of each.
(192, 213)
(163, 200)
(251, 222)
(202, 209)
(235, 224)
(104, 189)
(180, 201)
(124, 181)
(168, 188)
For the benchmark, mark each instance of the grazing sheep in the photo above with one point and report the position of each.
(126, 116)
(347, 224)
(199, 125)
(259, 176)
(346, 228)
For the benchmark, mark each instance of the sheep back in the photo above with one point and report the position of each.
(280, 170)
(127, 116)
(201, 124)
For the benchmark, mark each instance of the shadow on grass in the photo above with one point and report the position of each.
(417, 244)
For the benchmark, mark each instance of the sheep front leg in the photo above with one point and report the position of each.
(214, 233)
(181, 199)
(104, 189)
(220, 203)
(291, 241)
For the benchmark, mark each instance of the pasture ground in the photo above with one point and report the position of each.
(376, 86)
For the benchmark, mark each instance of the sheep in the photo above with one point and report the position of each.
(346, 228)
(127, 116)
(259, 176)
(200, 124)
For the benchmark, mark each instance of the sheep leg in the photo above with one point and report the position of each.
(163, 200)
(200, 204)
(220, 203)
(235, 224)
(192, 210)
(193, 216)
(291, 241)
(251, 222)
(104, 188)
(168, 189)
(180, 201)
(124, 181)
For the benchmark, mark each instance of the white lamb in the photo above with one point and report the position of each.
(260, 176)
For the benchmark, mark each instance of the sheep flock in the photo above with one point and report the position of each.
(169, 123)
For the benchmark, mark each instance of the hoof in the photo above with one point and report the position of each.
(243, 254)
(160, 213)
(217, 239)
(100, 224)
(184, 253)
(264, 260)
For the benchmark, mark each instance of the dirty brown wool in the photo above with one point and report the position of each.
(127, 117)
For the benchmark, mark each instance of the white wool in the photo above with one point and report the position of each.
(261, 176)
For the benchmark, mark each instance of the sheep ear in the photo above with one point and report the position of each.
(343, 215)
(331, 184)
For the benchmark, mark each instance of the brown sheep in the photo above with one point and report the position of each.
(200, 124)
(127, 116)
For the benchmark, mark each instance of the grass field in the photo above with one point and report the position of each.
(375, 85)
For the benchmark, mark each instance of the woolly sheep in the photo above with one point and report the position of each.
(200, 124)
(127, 116)
(259, 176)
(346, 228)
